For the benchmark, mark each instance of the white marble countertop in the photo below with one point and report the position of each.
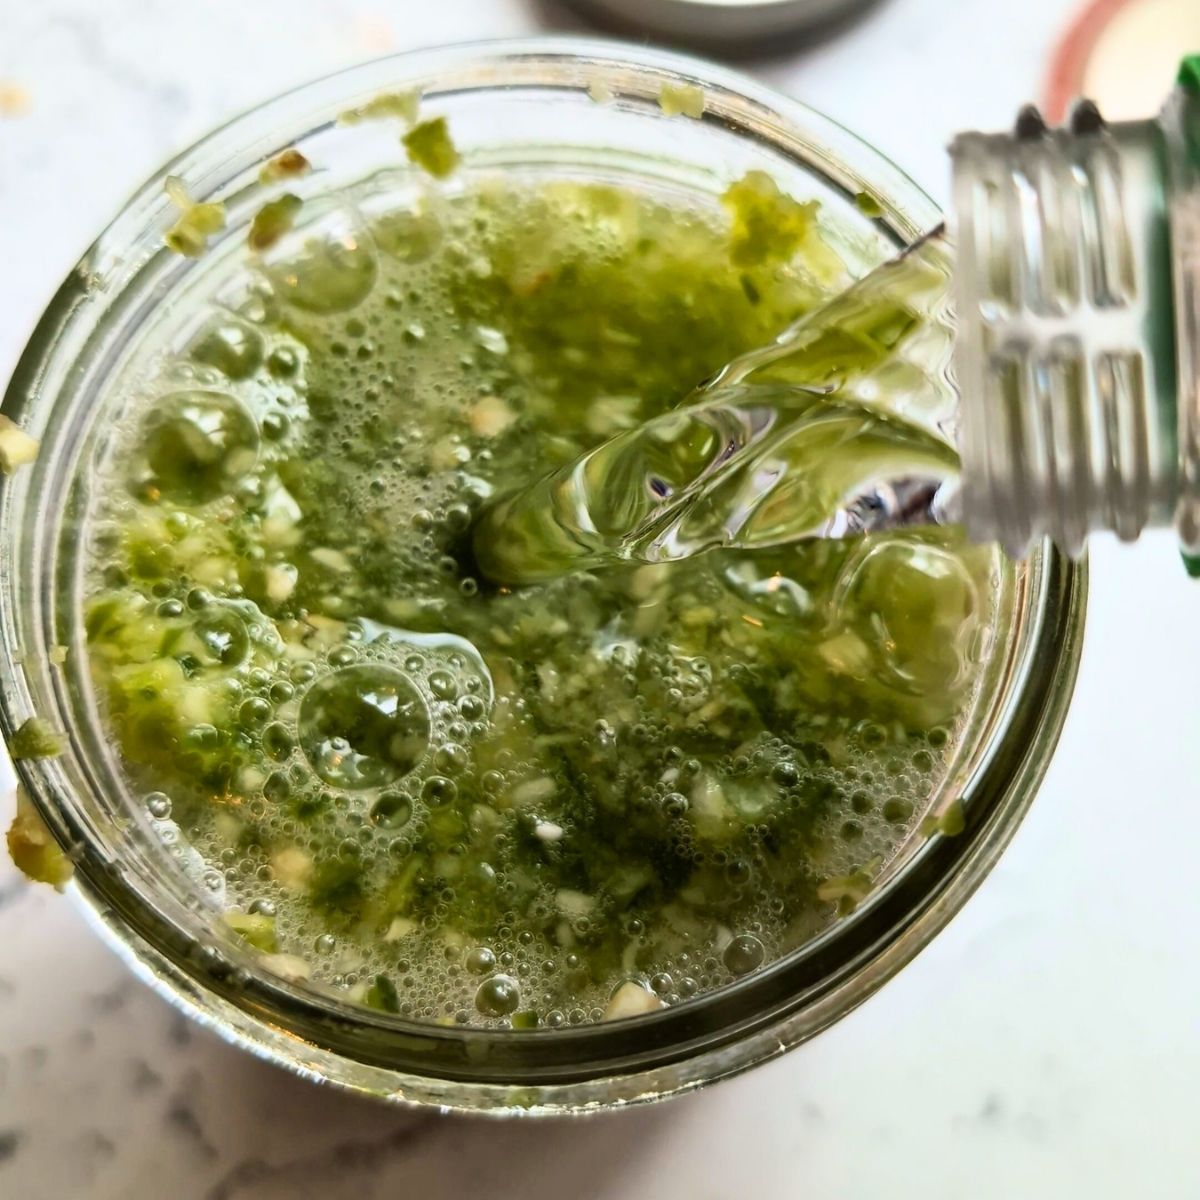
(1046, 1045)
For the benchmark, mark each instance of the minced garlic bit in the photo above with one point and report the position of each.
(631, 1000)
(532, 791)
(490, 417)
(681, 99)
(291, 867)
(287, 966)
(548, 831)
(600, 92)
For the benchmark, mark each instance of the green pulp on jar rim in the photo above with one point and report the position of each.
(595, 796)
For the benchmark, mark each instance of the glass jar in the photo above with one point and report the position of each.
(515, 105)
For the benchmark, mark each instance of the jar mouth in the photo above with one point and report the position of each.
(83, 332)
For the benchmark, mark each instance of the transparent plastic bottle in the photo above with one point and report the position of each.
(1077, 291)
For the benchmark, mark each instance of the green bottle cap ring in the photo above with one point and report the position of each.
(1189, 84)
(1189, 81)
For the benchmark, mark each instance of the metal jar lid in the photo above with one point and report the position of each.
(732, 26)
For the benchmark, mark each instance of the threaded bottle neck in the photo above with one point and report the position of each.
(1066, 354)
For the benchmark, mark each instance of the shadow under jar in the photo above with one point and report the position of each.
(538, 112)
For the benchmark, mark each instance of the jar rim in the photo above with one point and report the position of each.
(711, 1036)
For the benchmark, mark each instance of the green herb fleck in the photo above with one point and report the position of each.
(429, 146)
(868, 205)
(336, 889)
(382, 995)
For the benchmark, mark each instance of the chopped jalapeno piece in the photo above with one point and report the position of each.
(33, 848)
(429, 146)
(36, 738)
(256, 928)
(273, 220)
(768, 225)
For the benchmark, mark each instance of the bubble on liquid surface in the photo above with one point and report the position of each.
(235, 349)
(224, 636)
(922, 607)
(744, 954)
(159, 805)
(364, 726)
(333, 274)
(198, 444)
(443, 685)
(760, 580)
(498, 996)
(480, 960)
(392, 810)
